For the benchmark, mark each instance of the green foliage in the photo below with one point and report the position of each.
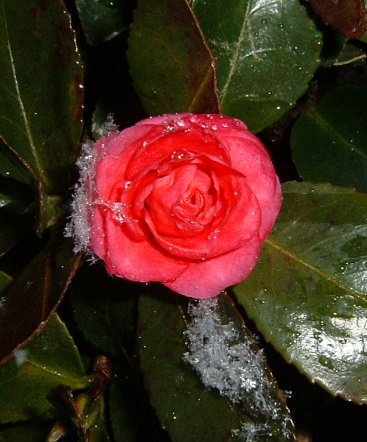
(334, 149)
(103, 21)
(171, 382)
(41, 94)
(267, 53)
(278, 66)
(307, 294)
(50, 359)
(171, 66)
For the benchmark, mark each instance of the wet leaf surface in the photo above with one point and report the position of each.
(103, 21)
(49, 359)
(334, 149)
(171, 66)
(40, 103)
(267, 53)
(307, 295)
(176, 391)
(35, 294)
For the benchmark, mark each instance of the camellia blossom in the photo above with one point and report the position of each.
(183, 199)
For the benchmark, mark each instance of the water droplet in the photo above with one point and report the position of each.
(224, 124)
(214, 127)
(326, 362)
(180, 155)
(127, 184)
(181, 123)
(214, 234)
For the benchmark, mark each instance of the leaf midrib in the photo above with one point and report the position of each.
(23, 112)
(270, 241)
(319, 119)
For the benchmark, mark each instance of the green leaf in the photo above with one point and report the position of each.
(171, 66)
(105, 309)
(329, 141)
(102, 21)
(11, 166)
(40, 97)
(267, 53)
(307, 294)
(35, 294)
(33, 430)
(5, 282)
(49, 359)
(176, 392)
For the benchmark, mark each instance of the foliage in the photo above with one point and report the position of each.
(87, 357)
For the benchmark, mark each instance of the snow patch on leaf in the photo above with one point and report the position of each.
(226, 359)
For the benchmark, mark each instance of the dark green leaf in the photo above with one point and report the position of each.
(329, 141)
(105, 309)
(41, 97)
(85, 413)
(267, 53)
(16, 213)
(171, 66)
(102, 21)
(11, 166)
(33, 430)
(49, 359)
(5, 282)
(35, 294)
(308, 292)
(180, 398)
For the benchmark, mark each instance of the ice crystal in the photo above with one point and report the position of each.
(81, 206)
(225, 359)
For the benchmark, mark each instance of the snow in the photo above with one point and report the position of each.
(226, 359)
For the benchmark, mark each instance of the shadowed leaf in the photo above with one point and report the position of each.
(345, 16)
(334, 149)
(35, 294)
(49, 359)
(103, 21)
(40, 102)
(177, 393)
(171, 66)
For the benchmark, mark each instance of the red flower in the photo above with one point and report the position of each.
(185, 200)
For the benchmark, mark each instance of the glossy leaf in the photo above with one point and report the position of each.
(35, 294)
(103, 21)
(171, 66)
(347, 16)
(40, 102)
(329, 141)
(174, 388)
(49, 359)
(307, 294)
(267, 52)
